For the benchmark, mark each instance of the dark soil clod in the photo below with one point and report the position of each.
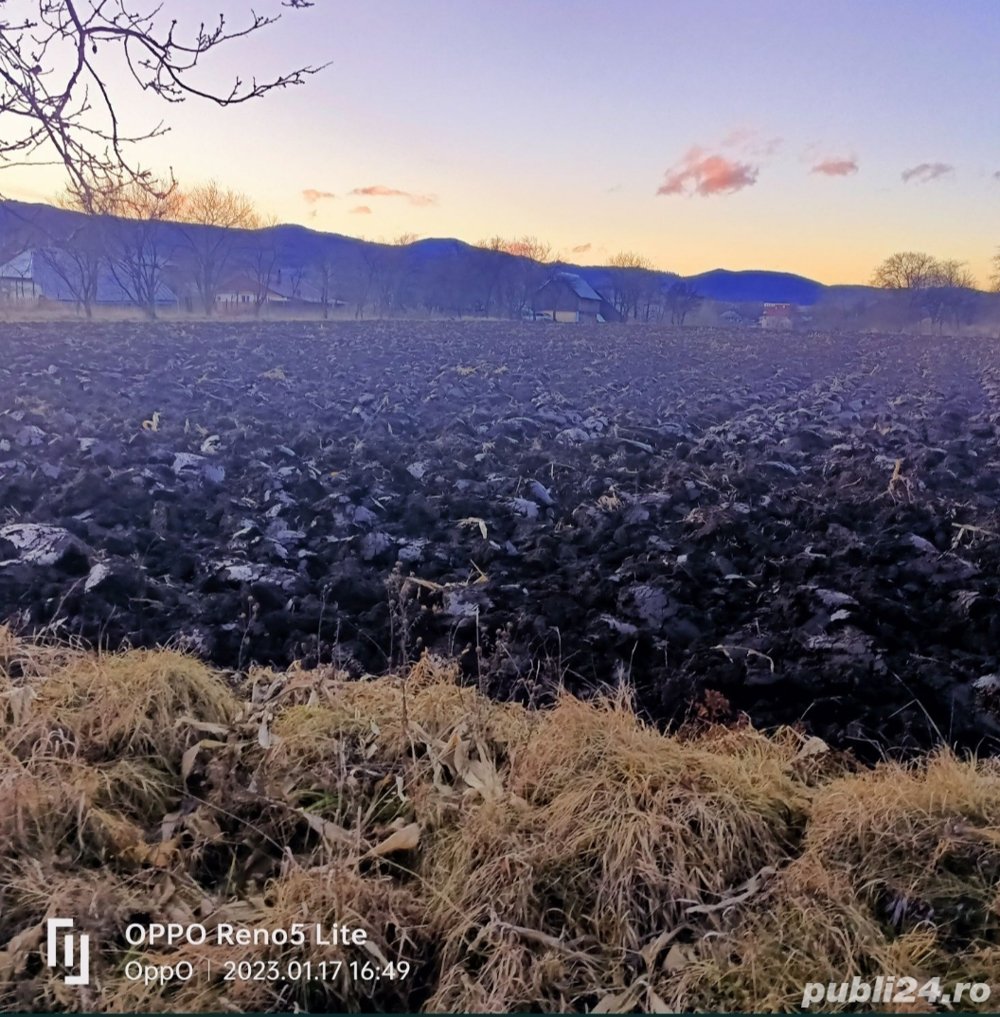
(806, 525)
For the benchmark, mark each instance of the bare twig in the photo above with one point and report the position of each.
(54, 91)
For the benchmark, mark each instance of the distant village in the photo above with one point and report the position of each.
(38, 278)
(53, 259)
(43, 277)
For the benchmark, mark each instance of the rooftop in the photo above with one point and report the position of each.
(21, 267)
(579, 285)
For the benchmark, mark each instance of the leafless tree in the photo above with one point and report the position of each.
(948, 295)
(511, 281)
(261, 256)
(681, 299)
(529, 247)
(995, 278)
(133, 216)
(451, 283)
(367, 264)
(939, 290)
(907, 270)
(953, 273)
(385, 275)
(321, 271)
(323, 267)
(17, 233)
(397, 275)
(76, 255)
(213, 217)
(298, 273)
(627, 267)
(56, 101)
(493, 268)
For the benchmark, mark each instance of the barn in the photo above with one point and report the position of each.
(569, 297)
(18, 282)
(51, 275)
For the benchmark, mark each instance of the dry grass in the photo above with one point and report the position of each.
(899, 872)
(564, 859)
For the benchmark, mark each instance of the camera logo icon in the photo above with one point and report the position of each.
(75, 953)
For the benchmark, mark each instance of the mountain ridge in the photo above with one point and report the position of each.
(299, 243)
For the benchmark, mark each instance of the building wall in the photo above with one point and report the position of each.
(230, 297)
(19, 291)
(246, 297)
(556, 296)
(773, 322)
(778, 315)
(559, 300)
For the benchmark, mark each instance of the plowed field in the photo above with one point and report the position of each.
(801, 527)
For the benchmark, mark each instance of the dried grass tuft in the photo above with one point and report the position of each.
(572, 858)
(899, 873)
(104, 706)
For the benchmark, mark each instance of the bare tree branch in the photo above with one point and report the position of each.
(54, 97)
(208, 251)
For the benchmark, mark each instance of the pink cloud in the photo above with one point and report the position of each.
(580, 249)
(361, 210)
(381, 191)
(834, 167)
(312, 195)
(701, 173)
(927, 171)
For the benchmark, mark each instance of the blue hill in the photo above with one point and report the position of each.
(753, 286)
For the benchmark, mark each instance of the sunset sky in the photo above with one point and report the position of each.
(774, 134)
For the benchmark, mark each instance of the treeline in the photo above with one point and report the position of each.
(921, 287)
(208, 247)
(150, 245)
(908, 290)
